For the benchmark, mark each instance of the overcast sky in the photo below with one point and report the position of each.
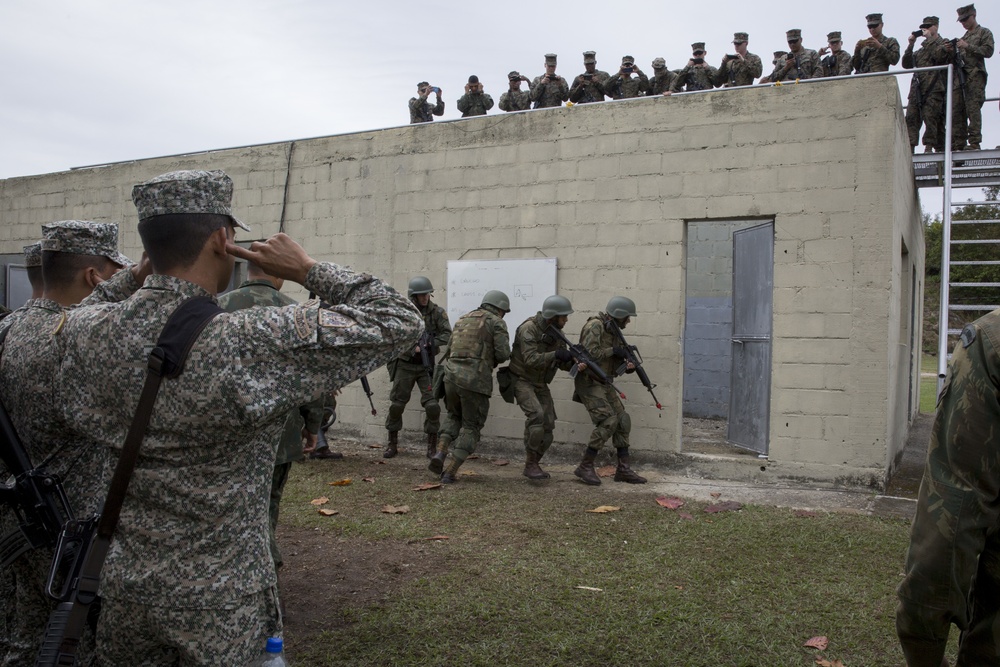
(108, 80)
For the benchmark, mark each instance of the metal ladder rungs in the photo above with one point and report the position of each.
(976, 242)
(974, 284)
(983, 308)
(976, 262)
(975, 222)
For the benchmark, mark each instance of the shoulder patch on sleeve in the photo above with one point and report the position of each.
(334, 320)
(968, 336)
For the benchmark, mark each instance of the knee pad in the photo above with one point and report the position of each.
(433, 410)
(625, 422)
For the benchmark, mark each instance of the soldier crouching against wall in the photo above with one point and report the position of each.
(605, 408)
(478, 344)
(409, 369)
(533, 363)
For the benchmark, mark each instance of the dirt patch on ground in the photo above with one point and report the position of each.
(709, 436)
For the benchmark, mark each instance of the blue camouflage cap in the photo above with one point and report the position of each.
(186, 192)
(33, 255)
(82, 237)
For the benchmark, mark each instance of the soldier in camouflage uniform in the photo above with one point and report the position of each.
(622, 85)
(742, 70)
(408, 370)
(697, 74)
(589, 86)
(515, 99)
(952, 573)
(838, 63)
(421, 110)
(800, 63)
(780, 57)
(479, 344)
(968, 100)
(660, 82)
(77, 257)
(878, 52)
(602, 403)
(925, 104)
(549, 89)
(189, 578)
(475, 102)
(301, 424)
(533, 362)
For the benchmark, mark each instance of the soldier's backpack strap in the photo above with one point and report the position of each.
(66, 624)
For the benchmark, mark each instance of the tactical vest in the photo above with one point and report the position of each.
(469, 337)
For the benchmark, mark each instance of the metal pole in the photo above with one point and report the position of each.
(945, 242)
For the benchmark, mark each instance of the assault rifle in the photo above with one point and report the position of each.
(633, 357)
(426, 345)
(580, 356)
(368, 392)
(959, 66)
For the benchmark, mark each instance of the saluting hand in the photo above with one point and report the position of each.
(279, 256)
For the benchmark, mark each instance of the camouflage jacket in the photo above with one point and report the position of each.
(871, 59)
(599, 343)
(515, 100)
(834, 64)
(422, 111)
(740, 72)
(619, 88)
(193, 531)
(584, 91)
(263, 293)
(660, 83)
(930, 53)
(479, 344)
(551, 94)
(980, 47)
(474, 104)
(957, 513)
(29, 381)
(436, 322)
(533, 358)
(694, 77)
(775, 74)
(801, 65)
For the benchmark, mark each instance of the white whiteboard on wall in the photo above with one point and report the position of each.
(527, 282)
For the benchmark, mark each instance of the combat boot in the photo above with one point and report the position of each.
(432, 442)
(585, 471)
(531, 467)
(391, 447)
(436, 465)
(625, 474)
(450, 474)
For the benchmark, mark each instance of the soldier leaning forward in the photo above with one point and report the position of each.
(409, 369)
(662, 77)
(602, 403)
(969, 95)
(533, 363)
(478, 344)
(925, 104)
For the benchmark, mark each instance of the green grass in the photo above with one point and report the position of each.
(737, 588)
(928, 384)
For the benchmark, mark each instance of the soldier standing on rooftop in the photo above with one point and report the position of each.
(742, 69)
(967, 101)
(549, 89)
(421, 110)
(515, 99)
(838, 63)
(878, 52)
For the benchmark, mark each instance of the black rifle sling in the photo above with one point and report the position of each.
(165, 361)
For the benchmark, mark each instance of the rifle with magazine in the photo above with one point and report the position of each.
(580, 356)
(633, 357)
(426, 345)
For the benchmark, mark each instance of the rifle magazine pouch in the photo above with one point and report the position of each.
(437, 382)
(391, 367)
(505, 381)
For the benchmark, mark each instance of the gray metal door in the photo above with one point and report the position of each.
(753, 282)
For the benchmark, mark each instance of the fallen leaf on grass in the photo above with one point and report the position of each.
(670, 503)
(727, 506)
(370, 480)
(435, 538)
(468, 473)
(590, 588)
(322, 500)
(393, 509)
(818, 643)
(804, 513)
(715, 494)
(374, 446)
(680, 588)
(604, 509)
(500, 462)
(427, 486)
(341, 482)
(605, 471)
(380, 463)
(471, 456)
(328, 512)
(826, 663)
(685, 515)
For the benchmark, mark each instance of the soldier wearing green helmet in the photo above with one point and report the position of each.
(409, 370)
(533, 363)
(479, 344)
(602, 403)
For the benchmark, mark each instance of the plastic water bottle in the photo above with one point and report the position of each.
(274, 654)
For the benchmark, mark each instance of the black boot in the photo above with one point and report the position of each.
(392, 445)
(450, 474)
(432, 443)
(436, 465)
(585, 471)
(531, 467)
(625, 474)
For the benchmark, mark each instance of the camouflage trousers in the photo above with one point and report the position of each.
(406, 376)
(130, 633)
(278, 480)
(467, 412)
(7, 615)
(931, 115)
(535, 400)
(611, 422)
(967, 112)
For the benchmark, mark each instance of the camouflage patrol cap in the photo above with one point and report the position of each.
(740, 37)
(589, 57)
(513, 74)
(186, 192)
(698, 46)
(778, 54)
(550, 58)
(966, 12)
(33, 255)
(874, 20)
(833, 36)
(794, 33)
(929, 21)
(628, 60)
(82, 237)
(422, 84)
(659, 63)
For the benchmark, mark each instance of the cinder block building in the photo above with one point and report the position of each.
(770, 237)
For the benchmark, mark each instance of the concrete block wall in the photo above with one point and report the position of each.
(608, 190)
